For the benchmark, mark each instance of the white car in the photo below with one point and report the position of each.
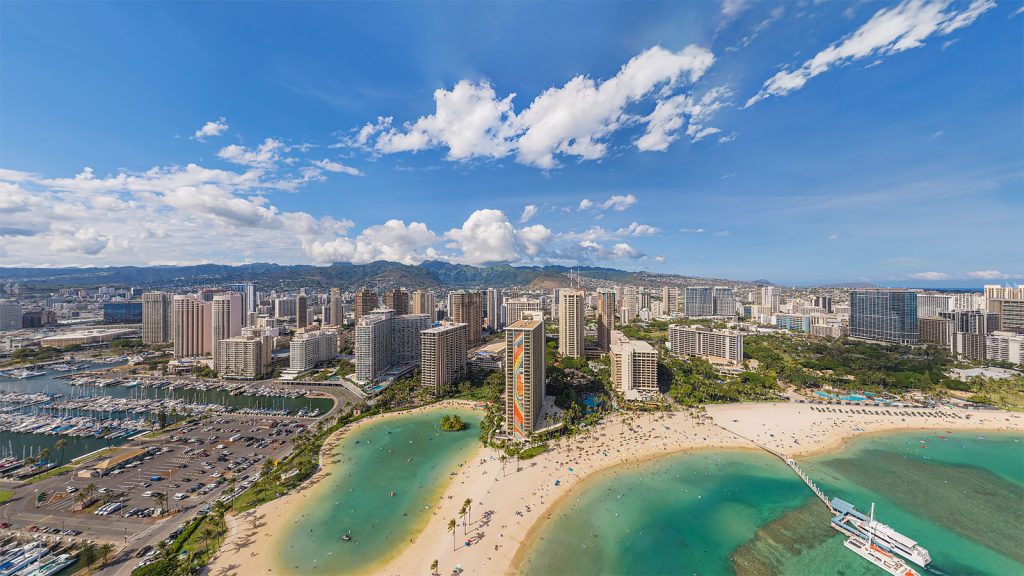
(180, 496)
(147, 493)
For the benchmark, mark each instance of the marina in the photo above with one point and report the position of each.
(90, 408)
(35, 558)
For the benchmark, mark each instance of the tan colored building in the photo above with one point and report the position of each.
(703, 341)
(245, 357)
(442, 356)
(423, 303)
(572, 312)
(156, 317)
(193, 327)
(669, 300)
(634, 367)
(515, 308)
(336, 307)
(467, 307)
(366, 302)
(605, 318)
(524, 377)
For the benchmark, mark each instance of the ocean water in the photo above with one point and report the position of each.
(409, 455)
(746, 513)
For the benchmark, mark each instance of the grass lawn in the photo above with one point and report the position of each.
(49, 474)
(5, 495)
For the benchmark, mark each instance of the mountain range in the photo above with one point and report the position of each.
(379, 274)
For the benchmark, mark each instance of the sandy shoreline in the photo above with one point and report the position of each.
(508, 508)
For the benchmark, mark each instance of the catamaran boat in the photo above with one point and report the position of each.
(851, 522)
(893, 540)
(871, 552)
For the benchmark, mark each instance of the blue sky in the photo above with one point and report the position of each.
(796, 142)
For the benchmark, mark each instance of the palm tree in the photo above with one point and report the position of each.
(105, 551)
(44, 455)
(161, 499)
(59, 445)
(433, 567)
(468, 505)
(451, 528)
(462, 514)
(503, 458)
(89, 490)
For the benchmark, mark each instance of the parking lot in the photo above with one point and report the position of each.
(180, 472)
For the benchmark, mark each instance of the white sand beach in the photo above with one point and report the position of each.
(509, 506)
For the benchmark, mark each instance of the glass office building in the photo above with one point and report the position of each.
(122, 313)
(884, 315)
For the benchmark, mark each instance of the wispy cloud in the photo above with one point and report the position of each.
(890, 31)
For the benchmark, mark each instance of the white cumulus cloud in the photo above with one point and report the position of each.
(212, 128)
(572, 120)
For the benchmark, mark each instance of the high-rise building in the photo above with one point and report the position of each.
(723, 301)
(936, 331)
(284, 307)
(227, 320)
(308, 349)
(572, 312)
(556, 301)
(301, 311)
(246, 357)
(884, 315)
(156, 317)
(442, 356)
(1010, 311)
(702, 341)
(967, 301)
(698, 301)
(769, 297)
(634, 367)
(630, 304)
(366, 302)
(385, 340)
(248, 292)
(122, 312)
(515, 307)
(423, 302)
(336, 307)
(972, 321)
(823, 302)
(227, 316)
(1005, 347)
(524, 377)
(605, 318)
(929, 305)
(10, 316)
(397, 300)
(997, 292)
(670, 300)
(467, 307)
(495, 321)
(192, 323)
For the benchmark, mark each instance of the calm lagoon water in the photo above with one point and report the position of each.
(408, 455)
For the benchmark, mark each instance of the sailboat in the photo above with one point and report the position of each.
(872, 553)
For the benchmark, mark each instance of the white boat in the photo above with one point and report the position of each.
(871, 552)
(23, 373)
(893, 541)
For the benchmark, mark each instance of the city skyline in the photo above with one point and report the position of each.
(705, 139)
